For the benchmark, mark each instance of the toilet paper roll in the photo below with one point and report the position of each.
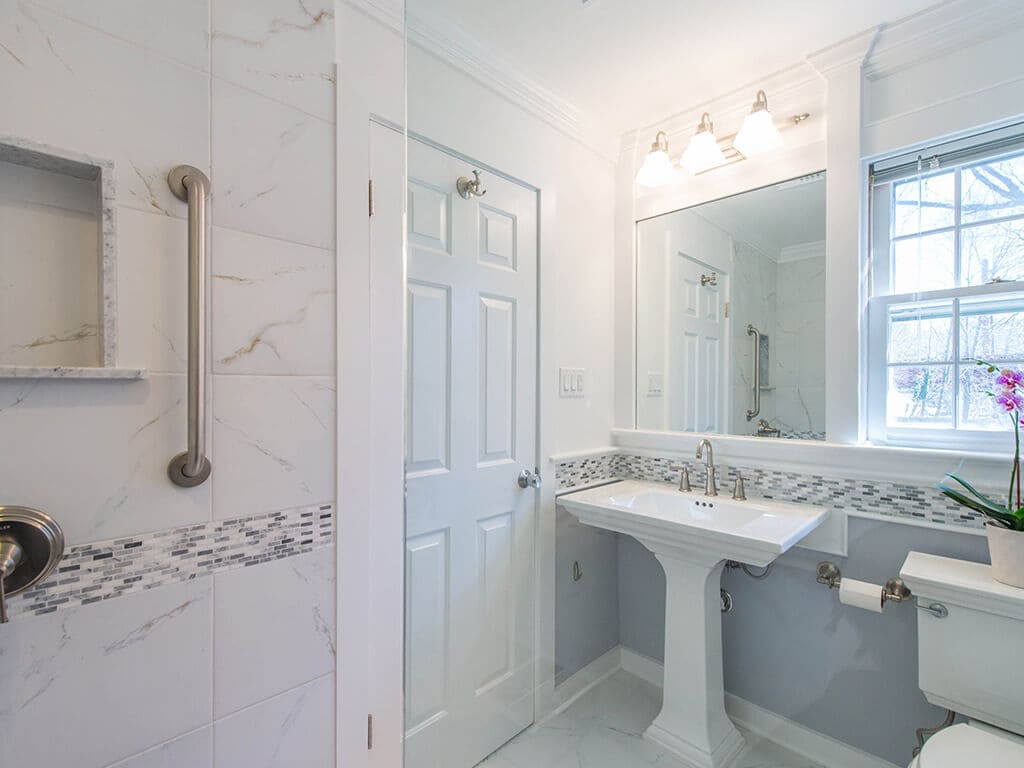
(861, 594)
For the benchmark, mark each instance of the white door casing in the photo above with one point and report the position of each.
(697, 348)
(470, 430)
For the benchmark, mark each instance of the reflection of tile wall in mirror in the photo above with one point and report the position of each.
(770, 244)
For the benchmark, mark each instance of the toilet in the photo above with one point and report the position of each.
(968, 626)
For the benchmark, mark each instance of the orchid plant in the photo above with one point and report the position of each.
(1008, 398)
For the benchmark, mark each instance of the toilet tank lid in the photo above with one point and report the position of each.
(960, 582)
(967, 745)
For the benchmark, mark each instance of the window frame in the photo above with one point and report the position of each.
(961, 156)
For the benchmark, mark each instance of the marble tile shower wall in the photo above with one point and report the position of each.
(204, 663)
(895, 500)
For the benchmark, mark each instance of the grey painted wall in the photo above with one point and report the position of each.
(587, 610)
(790, 646)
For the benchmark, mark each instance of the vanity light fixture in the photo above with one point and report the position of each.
(657, 169)
(758, 133)
(703, 152)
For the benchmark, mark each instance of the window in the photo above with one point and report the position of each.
(947, 289)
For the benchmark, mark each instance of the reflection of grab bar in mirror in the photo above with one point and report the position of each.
(756, 384)
(764, 429)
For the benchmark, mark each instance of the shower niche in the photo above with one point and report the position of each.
(58, 280)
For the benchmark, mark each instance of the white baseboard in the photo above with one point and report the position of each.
(597, 671)
(797, 738)
(642, 666)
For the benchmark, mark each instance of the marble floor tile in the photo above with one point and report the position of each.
(604, 729)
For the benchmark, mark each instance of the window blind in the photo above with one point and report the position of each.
(982, 146)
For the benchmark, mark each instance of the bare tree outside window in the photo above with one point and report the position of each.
(952, 229)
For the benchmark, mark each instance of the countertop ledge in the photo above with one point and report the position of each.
(71, 372)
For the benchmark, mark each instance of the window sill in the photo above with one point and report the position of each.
(859, 461)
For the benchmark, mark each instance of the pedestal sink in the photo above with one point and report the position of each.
(692, 535)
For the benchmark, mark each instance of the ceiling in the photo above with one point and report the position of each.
(772, 218)
(631, 63)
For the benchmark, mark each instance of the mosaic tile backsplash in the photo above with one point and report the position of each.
(103, 570)
(887, 499)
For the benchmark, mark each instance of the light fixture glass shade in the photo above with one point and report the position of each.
(758, 133)
(657, 169)
(703, 152)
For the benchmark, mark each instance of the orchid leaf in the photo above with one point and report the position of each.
(999, 515)
(977, 494)
(967, 501)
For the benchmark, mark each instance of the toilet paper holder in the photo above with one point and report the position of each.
(894, 591)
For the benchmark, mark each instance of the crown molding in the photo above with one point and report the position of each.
(456, 47)
(801, 252)
(940, 30)
(851, 52)
(878, 52)
(927, 34)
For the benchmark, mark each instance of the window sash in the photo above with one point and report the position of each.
(958, 227)
(957, 156)
(878, 367)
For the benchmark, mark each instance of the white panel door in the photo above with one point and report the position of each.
(470, 431)
(696, 346)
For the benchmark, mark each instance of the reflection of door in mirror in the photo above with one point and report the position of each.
(704, 275)
(684, 268)
(697, 329)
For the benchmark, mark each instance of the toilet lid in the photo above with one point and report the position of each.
(965, 745)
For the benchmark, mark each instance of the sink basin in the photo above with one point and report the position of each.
(752, 532)
(692, 535)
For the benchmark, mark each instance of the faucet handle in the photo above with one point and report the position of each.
(738, 491)
(10, 558)
(684, 477)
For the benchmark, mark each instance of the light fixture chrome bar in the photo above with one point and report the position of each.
(756, 410)
(733, 155)
(191, 468)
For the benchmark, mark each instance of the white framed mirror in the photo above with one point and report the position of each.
(714, 283)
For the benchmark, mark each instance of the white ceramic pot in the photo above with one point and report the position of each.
(1006, 548)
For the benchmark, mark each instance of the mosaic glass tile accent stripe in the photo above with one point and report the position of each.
(882, 498)
(577, 473)
(102, 570)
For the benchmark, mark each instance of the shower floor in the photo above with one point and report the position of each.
(604, 729)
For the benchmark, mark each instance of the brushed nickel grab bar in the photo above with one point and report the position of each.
(756, 410)
(191, 468)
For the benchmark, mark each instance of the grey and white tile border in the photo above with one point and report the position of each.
(99, 571)
(900, 502)
(89, 573)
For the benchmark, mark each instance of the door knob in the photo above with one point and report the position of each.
(528, 479)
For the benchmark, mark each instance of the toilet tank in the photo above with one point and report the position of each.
(970, 659)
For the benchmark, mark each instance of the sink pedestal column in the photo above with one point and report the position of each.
(692, 723)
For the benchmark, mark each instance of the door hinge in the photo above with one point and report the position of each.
(369, 731)
(369, 192)
(727, 309)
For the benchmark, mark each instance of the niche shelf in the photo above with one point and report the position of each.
(58, 269)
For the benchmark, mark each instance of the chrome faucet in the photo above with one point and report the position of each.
(710, 486)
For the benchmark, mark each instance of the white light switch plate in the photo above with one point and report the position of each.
(572, 382)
